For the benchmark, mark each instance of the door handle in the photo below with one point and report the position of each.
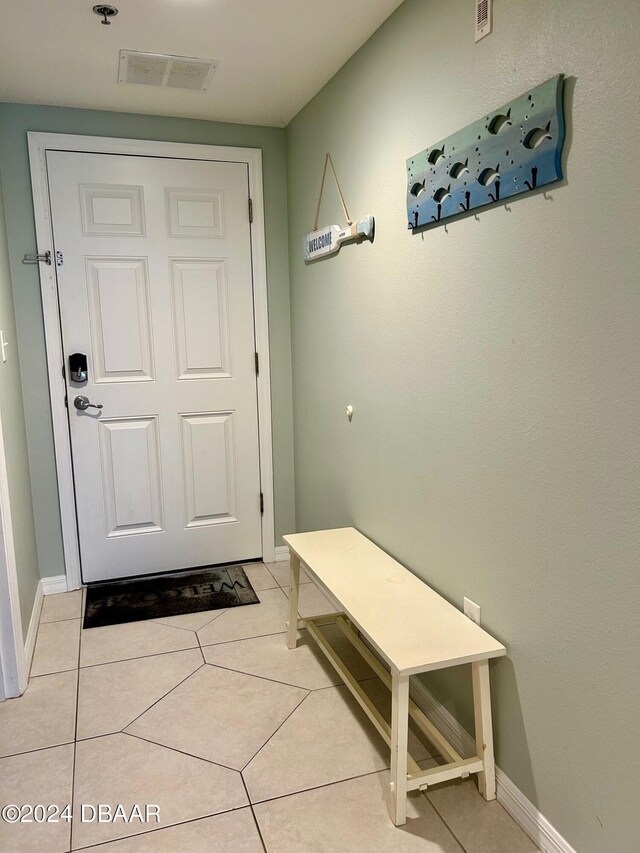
(81, 402)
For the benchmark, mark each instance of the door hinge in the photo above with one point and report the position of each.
(261, 503)
(257, 364)
(250, 210)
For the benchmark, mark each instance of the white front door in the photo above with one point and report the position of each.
(156, 290)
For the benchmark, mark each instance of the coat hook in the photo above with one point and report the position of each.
(497, 195)
(534, 179)
(467, 201)
(437, 219)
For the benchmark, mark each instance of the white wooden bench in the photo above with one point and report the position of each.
(413, 630)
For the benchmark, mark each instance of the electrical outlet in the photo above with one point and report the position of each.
(472, 610)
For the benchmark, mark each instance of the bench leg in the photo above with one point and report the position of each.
(399, 746)
(294, 588)
(484, 730)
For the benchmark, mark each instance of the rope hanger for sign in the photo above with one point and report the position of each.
(326, 241)
(329, 162)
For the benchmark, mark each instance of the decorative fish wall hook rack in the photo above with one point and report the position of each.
(514, 149)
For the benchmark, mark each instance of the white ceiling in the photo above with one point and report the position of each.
(274, 54)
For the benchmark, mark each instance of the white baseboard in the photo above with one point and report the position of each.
(282, 553)
(521, 809)
(32, 633)
(54, 585)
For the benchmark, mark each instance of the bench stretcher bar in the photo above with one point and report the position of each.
(458, 767)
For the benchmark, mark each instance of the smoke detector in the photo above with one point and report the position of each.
(165, 71)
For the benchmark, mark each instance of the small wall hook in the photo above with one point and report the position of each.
(467, 201)
(496, 197)
(534, 179)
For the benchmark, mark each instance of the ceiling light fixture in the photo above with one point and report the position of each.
(105, 12)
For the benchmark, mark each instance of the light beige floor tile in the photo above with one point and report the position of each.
(65, 605)
(280, 571)
(56, 647)
(260, 577)
(37, 777)
(219, 715)
(43, 716)
(112, 695)
(232, 832)
(352, 816)
(123, 769)
(305, 666)
(481, 826)
(251, 620)
(132, 640)
(191, 621)
(328, 738)
(312, 601)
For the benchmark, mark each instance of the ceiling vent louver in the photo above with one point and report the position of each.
(166, 72)
(484, 18)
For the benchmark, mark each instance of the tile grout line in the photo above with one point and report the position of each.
(444, 820)
(164, 696)
(250, 637)
(220, 612)
(324, 785)
(158, 829)
(179, 751)
(276, 731)
(255, 819)
(200, 647)
(275, 680)
(137, 657)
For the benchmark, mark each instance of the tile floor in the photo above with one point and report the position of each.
(243, 745)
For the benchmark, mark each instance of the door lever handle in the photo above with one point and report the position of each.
(81, 402)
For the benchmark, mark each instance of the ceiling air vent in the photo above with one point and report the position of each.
(484, 18)
(164, 71)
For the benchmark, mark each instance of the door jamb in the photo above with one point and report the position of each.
(13, 661)
(39, 144)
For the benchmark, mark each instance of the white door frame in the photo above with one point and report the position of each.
(13, 661)
(39, 144)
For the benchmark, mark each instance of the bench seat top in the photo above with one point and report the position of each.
(413, 627)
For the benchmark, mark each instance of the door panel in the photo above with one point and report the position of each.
(120, 318)
(133, 505)
(156, 288)
(209, 468)
(203, 336)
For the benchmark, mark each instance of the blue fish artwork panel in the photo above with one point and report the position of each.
(512, 150)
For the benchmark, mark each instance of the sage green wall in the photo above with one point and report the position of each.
(494, 369)
(15, 443)
(15, 121)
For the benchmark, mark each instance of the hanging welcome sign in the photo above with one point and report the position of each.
(327, 241)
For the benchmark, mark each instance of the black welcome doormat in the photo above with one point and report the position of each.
(210, 588)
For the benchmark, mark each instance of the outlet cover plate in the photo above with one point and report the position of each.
(472, 610)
